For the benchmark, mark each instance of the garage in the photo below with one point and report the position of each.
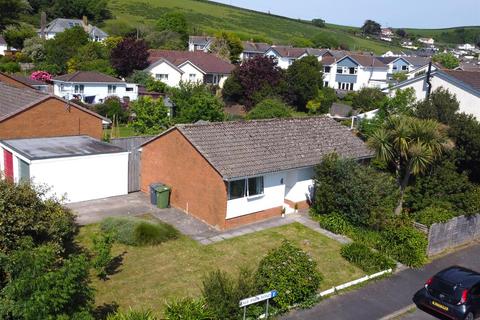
(78, 168)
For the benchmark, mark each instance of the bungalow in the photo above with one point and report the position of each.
(78, 167)
(93, 87)
(27, 113)
(464, 84)
(352, 72)
(171, 67)
(253, 49)
(238, 172)
(60, 24)
(200, 43)
(285, 55)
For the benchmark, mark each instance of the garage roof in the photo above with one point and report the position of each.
(60, 147)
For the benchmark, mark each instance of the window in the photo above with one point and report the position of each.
(191, 77)
(345, 86)
(290, 61)
(79, 88)
(112, 88)
(352, 70)
(245, 188)
(339, 70)
(326, 69)
(394, 68)
(24, 170)
(161, 76)
(404, 68)
(325, 83)
(62, 87)
(128, 89)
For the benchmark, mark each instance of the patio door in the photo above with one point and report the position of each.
(8, 164)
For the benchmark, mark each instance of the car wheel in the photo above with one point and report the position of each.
(469, 316)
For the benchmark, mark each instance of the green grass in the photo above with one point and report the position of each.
(123, 130)
(150, 275)
(208, 17)
(455, 35)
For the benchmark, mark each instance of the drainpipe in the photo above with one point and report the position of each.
(429, 83)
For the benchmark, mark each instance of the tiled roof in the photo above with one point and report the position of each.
(60, 24)
(14, 100)
(328, 60)
(367, 60)
(207, 62)
(28, 81)
(289, 52)
(471, 78)
(246, 148)
(87, 76)
(417, 61)
(200, 40)
(259, 47)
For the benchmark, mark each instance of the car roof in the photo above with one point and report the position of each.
(461, 276)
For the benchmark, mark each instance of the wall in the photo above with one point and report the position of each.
(190, 69)
(99, 90)
(51, 118)
(196, 187)
(457, 231)
(302, 188)
(174, 76)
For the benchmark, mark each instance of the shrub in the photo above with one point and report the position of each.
(138, 232)
(433, 214)
(187, 309)
(290, 271)
(102, 247)
(406, 244)
(335, 223)
(366, 259)
(270, 108)
(132, 315)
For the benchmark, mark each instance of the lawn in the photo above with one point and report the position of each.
(123, 131)
(149, 276)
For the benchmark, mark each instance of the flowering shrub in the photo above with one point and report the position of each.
(41, 76)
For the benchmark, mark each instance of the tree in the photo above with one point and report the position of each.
(34, 48)
(129, 55)
(318, 22)
(371, 27)
(15, 35)
(409, 145)
(322, 103)
(174, 22)
(401, 33)
(368, 99)
(168, 40)
(151, 116)
(113, 109)
(96, 10)
(400, 76)
(10, 11)
(194, 102)
(448, 60)
(94, 56)
(304, 78)
(441, 106)
(227, 46)
(270, 108)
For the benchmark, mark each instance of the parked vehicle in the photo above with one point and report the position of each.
(453, 293)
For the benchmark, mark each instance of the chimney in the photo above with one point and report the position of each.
(43, 24)
(85, 22)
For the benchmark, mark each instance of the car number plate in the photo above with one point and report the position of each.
(439, 305)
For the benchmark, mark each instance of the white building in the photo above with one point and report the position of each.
(429, 41)
(253, 49)
(285, 55)
(77, 167)
(60, 24)
(466, 46)
(93, 87)
(3, 46)
(464, 84)
(200, 43)
(172, 67)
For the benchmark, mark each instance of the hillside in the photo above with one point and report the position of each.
(455, 35)
(207, 17)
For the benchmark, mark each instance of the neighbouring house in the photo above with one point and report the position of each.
(61, 24)
(200, 43)
(285, 55)
(39, 85)
(464, 84)
(253, 49)
(237, 172)
(466, 46)
(28, 113)
(469, 65)
(14, 81)
(77, 167)
(93, 87)
(171, 67)
(387, 32)
(3, 46)
(403, 64)
(353, 72)
(429, 41)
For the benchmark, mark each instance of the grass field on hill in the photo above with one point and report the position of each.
(455, 35)
(208, 18)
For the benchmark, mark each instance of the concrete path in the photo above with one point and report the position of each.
(384, 297)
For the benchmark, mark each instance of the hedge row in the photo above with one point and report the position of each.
(366, 259)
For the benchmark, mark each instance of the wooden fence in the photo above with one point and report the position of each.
(132, 145)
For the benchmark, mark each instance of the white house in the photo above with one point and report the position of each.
(200, 43)
(466, 46)
(285, 55)
(237, 172)
(60, 24)
(404, 64)
(3, 46)
(253, 49)
(93, 87)
(353, 72)
(171, 67)
(429, 41)
(464, 84)
(78, 167)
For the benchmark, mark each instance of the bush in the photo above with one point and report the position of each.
(132, 315)
(433, 214)
(336, 223)
(138, 232)
(270, 108)
(10, 67)
(102, 247)
(405, 244)
(112, 108)
(187, 309)
(290, 271)
(366, 259)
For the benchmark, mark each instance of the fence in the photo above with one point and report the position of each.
(132, 144)
(455, 232)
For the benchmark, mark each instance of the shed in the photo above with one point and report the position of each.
(78, 167)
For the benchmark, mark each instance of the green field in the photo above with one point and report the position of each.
(455, 35)
(208, 18)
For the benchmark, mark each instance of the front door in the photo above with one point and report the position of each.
(8, 164)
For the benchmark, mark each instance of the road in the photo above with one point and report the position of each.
(384, 297)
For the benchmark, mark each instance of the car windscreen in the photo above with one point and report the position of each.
(445, 291)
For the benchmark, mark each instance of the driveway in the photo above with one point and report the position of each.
(384, 297)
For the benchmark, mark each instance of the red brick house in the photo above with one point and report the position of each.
(234, 173)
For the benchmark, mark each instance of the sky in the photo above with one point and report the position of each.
(402, 13)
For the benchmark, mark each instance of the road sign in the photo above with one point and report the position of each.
(260, 297)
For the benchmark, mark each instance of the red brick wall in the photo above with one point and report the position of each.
(51, 118)
(300, 205)
(253, 217)
(196, 186)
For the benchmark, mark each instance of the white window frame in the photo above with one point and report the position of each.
(161, 76)
(246, 191)
(339, 69)
(325, 83)
(112, 89)
(327, 68)
(404, 68)
(79, 88)
(192, 77)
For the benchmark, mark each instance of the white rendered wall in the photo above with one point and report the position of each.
(303, 184)
(188, 69)
(83, 178)
(174, 76)
(99, 90)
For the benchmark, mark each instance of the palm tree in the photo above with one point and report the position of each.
(409, 145)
